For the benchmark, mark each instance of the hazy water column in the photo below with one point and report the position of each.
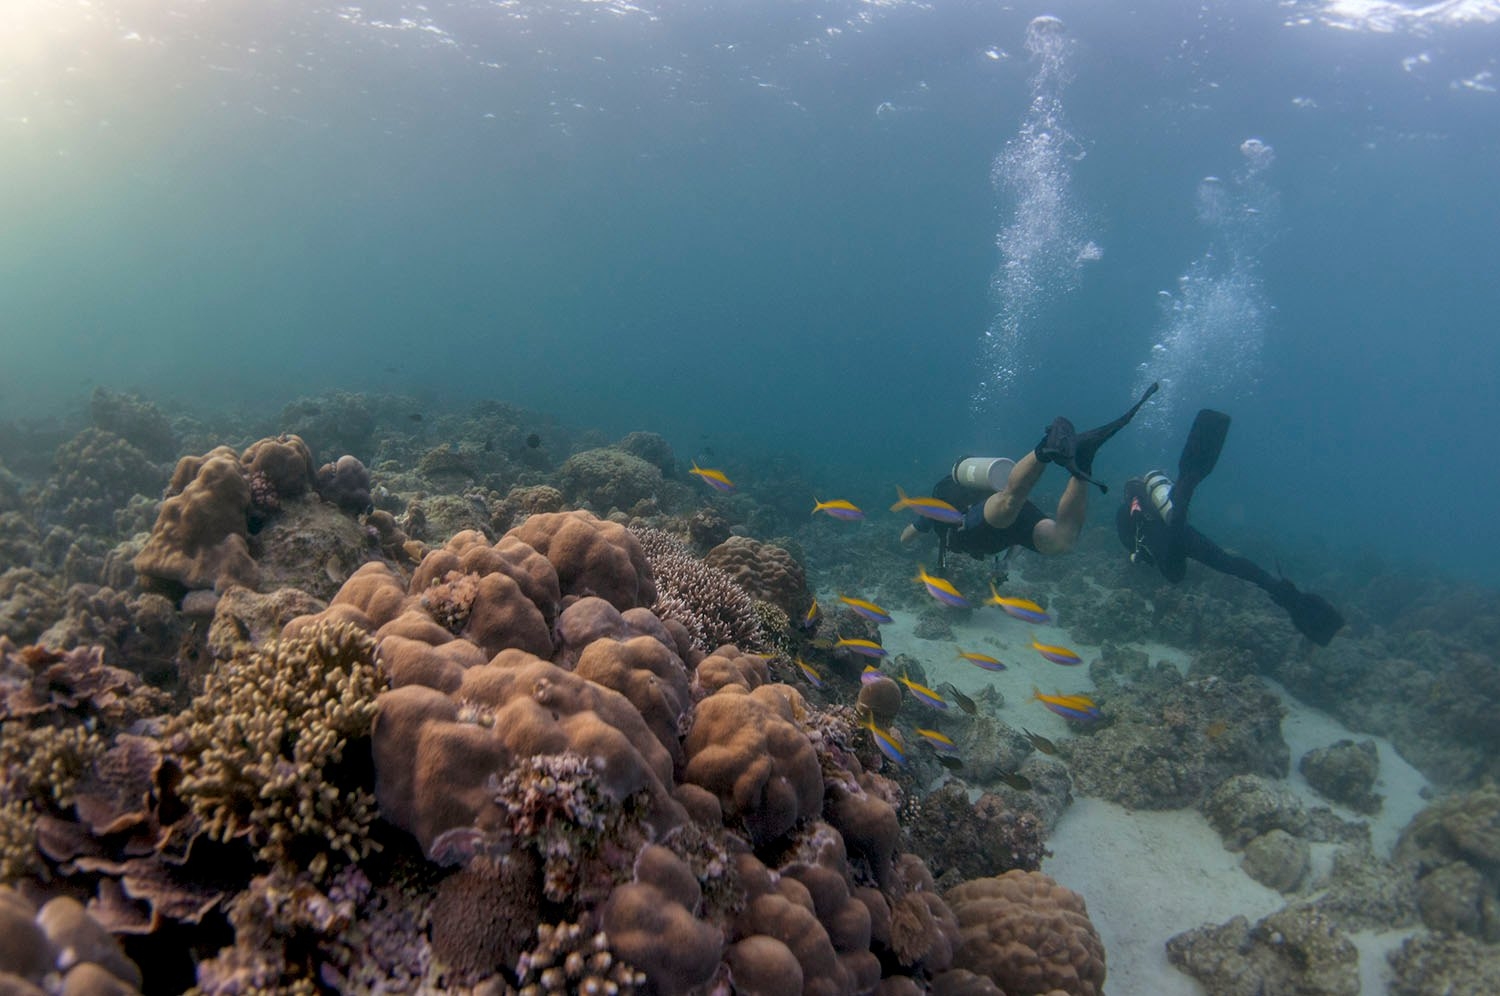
(1045, 244)
(1213, 327)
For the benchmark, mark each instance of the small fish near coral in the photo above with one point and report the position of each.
(865, 648)
(838, 508)
(812, 616)
(929, 508)
(810, 673)
(868, 610)
(964, 702)
(1056, 654)
(924, 694)
(983, 661)
(941, 589)
(1041, 743)
(715, 479)
(1078, 707)
(940, 741)
(886, 741)
(1023, 609)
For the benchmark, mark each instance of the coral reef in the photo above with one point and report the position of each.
(1345, 772)
(346, 484)
(1453, 850)
(713, 608)
(606, 479)
(1027, 934)
(263, 743)
(200, 536)
(59, 948)
(95, 473)
(1170, 739)
(1297, 950)
(765, 571)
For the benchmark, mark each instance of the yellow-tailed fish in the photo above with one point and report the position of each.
(838, 509)
(941, 589)
(924, 694)
(886, 741)
(929, 508)
(869, 610)
(1056, 654)
(810, 619)
(713, 478)
(939, 741)
(870, 675)
(1079, 707)
(865, 648)
(810, 673)
(984, 661)
(1019, 608)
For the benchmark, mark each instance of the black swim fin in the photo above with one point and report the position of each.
(1313, 615)
(1204, 442)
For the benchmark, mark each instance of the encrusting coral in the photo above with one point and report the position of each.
(260, 747)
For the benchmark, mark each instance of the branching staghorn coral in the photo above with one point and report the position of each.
(263, 744)
(713, 608)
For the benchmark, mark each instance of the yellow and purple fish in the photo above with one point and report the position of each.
(886, 741)
(929, 508)
(984, 661)
(810, 673)
(865, 648)
(924, 694)
(1079, 707)
(713, 478)
(941, 589)
(813, 615)
(938, 740)
(1056, 654)
(870, 675)
(869, 610)
(1023, 609)
(838, 509)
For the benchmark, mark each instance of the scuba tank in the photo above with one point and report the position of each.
(1159, 487)
(988, 473)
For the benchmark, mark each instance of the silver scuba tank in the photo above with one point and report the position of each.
(983, 472)
(1159, 487)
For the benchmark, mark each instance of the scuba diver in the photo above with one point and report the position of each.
(993, 495)
(1152, 522)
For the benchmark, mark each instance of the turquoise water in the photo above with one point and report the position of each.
(873, 234)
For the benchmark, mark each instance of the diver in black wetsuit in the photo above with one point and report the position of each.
(1152, 522)
(998, 521)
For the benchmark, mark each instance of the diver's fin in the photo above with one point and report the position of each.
(1204, 442)
(1312, 614)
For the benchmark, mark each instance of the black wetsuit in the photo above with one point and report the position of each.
(1148, 537)
(975, 536)
(1168, 546)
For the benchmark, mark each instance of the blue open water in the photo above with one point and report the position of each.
(876, 234)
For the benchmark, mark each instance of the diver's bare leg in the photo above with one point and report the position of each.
(1060, 533)
(1002, 507)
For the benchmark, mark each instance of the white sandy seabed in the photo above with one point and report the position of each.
(1149, 875)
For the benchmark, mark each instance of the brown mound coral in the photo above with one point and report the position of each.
(592, 556)
(59, 947)
(746, 749)
(262, 747)
(1028, 934)
(199, 540)
(764, 570)
(437, 757)
(650, 923)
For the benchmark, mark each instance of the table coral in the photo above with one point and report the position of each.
(262, 746)
(1027, 934)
